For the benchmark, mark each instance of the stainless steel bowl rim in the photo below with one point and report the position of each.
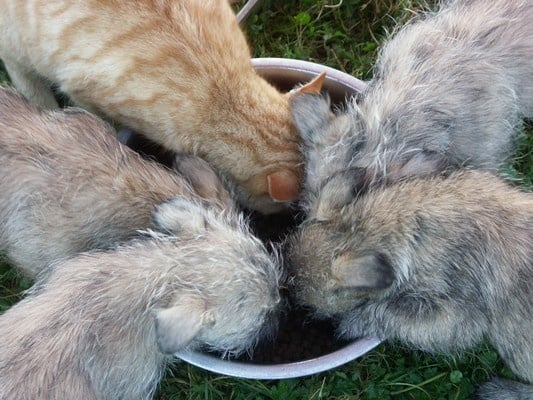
(308, 68)
(280, 371)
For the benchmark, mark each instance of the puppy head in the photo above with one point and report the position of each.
(227, 297)
(333, 261)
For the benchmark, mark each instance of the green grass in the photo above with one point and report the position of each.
(388, 372)
(523, 165)
(344, 34)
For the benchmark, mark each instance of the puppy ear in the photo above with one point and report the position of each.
(367, 272)
(179, 215)
(283, 186)
(421, 164)
(338, 190)
(203, 179)
(177, 326)
(311, 114)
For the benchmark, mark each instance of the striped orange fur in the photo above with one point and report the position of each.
(179, 72)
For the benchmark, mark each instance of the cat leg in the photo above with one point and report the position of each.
(35, 88)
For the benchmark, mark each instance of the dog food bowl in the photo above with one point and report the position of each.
(323, 352)
(249, 8)
(285, 73)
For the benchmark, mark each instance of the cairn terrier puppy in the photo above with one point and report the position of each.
(397, 245)
(104, 324)
(451, 88)
(67, 185)
(438, 262)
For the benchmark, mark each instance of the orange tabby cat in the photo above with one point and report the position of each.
(177, 71)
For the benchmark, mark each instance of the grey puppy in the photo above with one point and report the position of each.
(391, 247)
(67, 185)
(437, 262)
(104, 324)
(450, 89)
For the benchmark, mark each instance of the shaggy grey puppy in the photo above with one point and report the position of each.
(437, 262)
(104, 324)
(391, 247)
(67, 185)
(449, 89)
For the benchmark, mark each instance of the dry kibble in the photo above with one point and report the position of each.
(300, 338)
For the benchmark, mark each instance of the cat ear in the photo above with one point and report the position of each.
(367, 272)
(283, 186)
(177, 326)
(312, 87)
(203, 179)
(179, 215)
(310, 110)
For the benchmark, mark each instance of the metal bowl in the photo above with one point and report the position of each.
(285, 74)
(249, 8)
(298, 369)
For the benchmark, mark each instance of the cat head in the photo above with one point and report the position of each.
(274, 178)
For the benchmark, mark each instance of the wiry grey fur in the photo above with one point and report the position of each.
(103, 324)
(67, 185)
(395, 243)
(450, 89)
(436, 262)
